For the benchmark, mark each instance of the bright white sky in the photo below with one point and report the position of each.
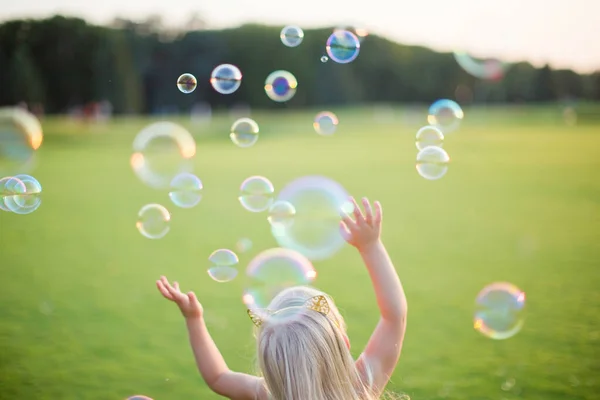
(565, 34)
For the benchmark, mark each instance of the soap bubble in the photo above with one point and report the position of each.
(186, 83)
(432, 162)
(186, 190)
(324, 59)
(273, 270)
(500, 310)
(153, 221)
(292, 36)
(280, 86)
(162, 151)
(325, 123)
(343, 46)
(281, 213)
(139, 397)
(223, 264)
(244, 132)
(315, 231)
(256, 194)
(490, 69)
(226, 78)
(26, 196)
(446, 115)
(429, 136)
(20, 136)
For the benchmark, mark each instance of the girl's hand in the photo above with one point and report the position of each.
(364, 230)
(188, 303)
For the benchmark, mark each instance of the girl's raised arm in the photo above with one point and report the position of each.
(210, 362)
(383, 349)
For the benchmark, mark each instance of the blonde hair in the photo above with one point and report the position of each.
(302, 354)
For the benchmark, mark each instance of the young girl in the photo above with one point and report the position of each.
(302, 347)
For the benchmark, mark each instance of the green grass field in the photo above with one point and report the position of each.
(80, 316)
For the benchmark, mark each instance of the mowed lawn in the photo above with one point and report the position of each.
(80, 317)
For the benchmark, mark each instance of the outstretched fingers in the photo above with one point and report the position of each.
(174, 292)
(368, 211)
(378, 213)
(345, 231)
(358, 215)
(163, 290)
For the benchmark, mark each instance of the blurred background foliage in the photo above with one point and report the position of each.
(63, 62)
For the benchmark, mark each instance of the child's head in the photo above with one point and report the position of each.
(303, 350)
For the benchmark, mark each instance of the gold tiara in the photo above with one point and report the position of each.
(317, 303)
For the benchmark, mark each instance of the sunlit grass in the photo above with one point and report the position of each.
(81, 318)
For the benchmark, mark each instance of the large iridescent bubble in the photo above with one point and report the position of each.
(162, 151)
(20, 136)
(318, 202)
(272, 271)
(490, 69)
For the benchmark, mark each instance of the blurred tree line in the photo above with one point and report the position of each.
(64, 62)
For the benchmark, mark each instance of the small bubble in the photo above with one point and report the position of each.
(256, 194)
(153, 221)
(244, 132)
(223, 264)
(226, 78)
(280, 86)
(292, 36)
(324, 59)
(325, 123)
(187, 83)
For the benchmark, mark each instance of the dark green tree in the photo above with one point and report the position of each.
(543, 86)
(25, 83)
(66, 62)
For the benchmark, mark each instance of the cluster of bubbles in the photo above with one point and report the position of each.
(304, 215)
(444, 116)
(20, 138)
